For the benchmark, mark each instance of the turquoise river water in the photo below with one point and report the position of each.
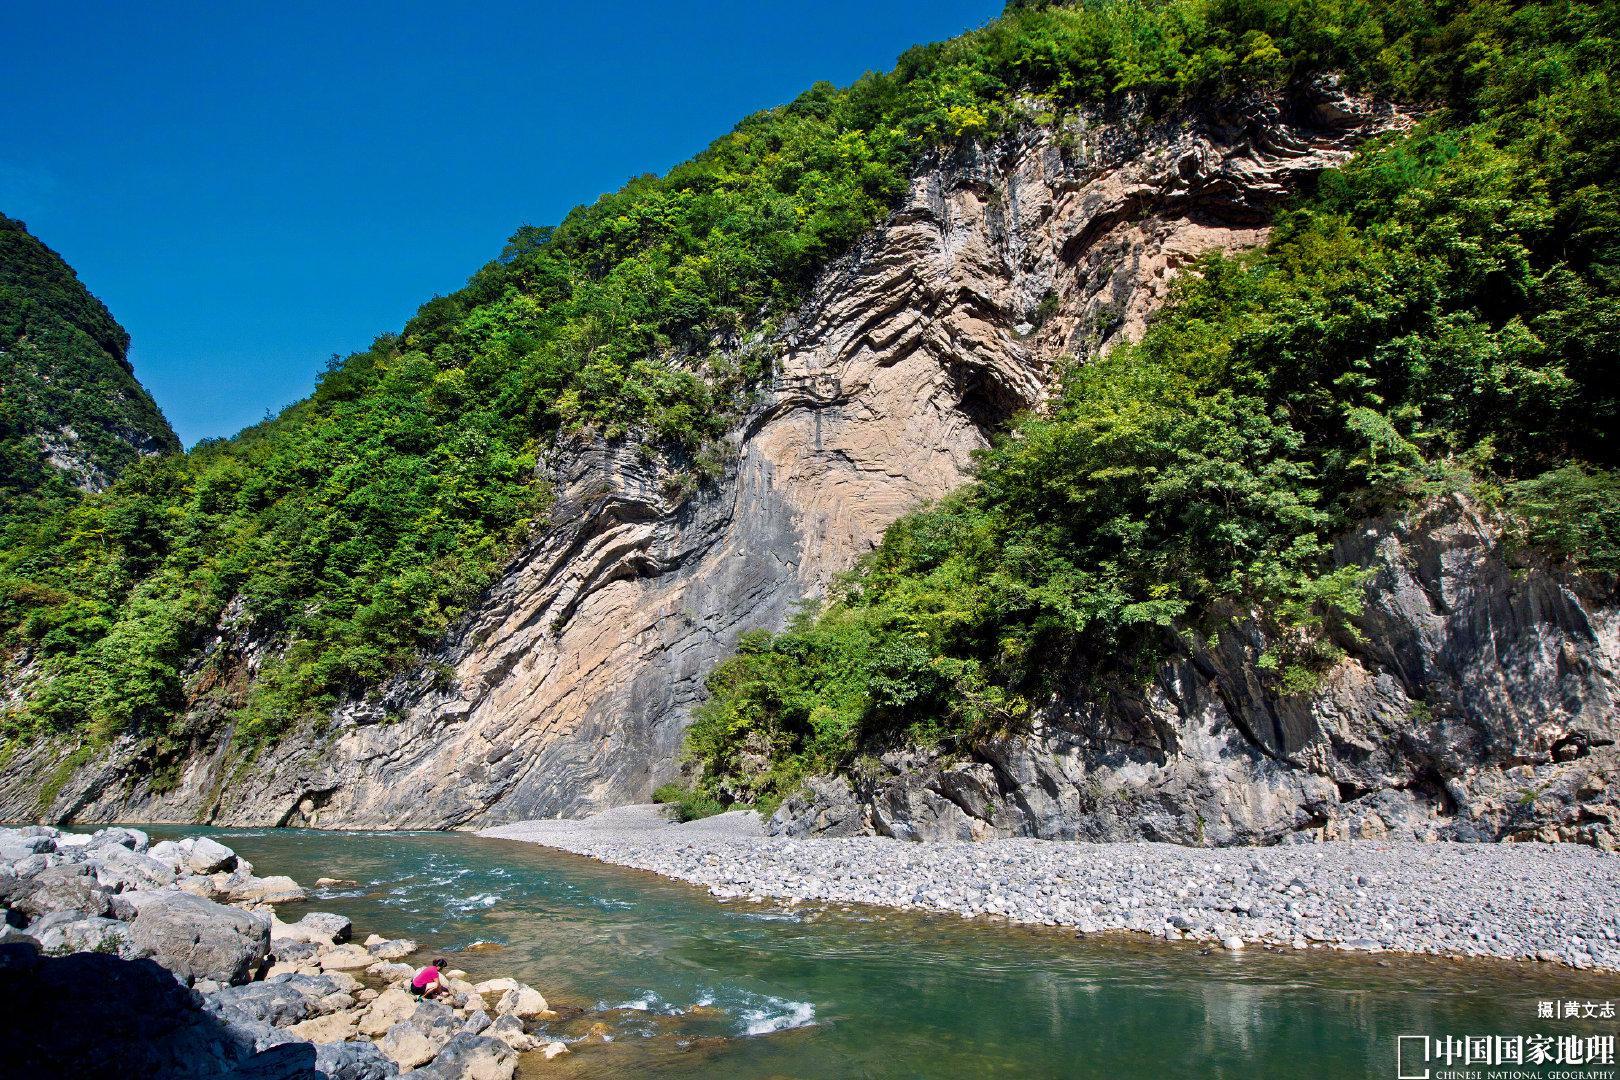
(656, 978)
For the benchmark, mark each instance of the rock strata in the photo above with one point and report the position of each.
(1469, 663)
(1556, 903)
(569, 688)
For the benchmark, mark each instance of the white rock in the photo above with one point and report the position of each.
(523, 1001)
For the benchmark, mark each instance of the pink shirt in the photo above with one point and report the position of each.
(426, 977)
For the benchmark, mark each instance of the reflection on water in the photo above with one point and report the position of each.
(653, 977)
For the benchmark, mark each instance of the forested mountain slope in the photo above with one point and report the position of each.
(483, 572)
(72, 415)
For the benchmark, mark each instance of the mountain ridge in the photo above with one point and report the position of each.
(72, 414)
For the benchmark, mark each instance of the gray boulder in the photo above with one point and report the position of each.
(196, 855)
(825, 806)
(390, 948)
(326, 924)
(509, 1029)
(93, 934)
(118, 869)
(293, 951)
(353, 1061)
(286, 1061)
(418, 1038)
(315, 987)
(274, 1002)
(10, 935)
(197, 938)
(18, 843)
(471, 1057)
(117, 836)
(61, 887)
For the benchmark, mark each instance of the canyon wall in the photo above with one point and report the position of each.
(569, 687)
(1476, 701)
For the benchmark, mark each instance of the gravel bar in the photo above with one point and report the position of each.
(1551, 902)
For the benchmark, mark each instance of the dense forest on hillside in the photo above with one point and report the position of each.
(1441, 315)
(1450, 287)
(65, 384)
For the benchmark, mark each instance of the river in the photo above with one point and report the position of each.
(667, 981)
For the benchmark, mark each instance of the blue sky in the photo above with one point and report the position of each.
(251, 188)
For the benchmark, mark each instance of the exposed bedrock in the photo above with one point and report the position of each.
(1472, 704)
(570, 686)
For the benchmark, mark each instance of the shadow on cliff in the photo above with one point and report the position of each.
(93, 1015)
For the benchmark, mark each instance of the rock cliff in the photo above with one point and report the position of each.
(1458, 713)
(569, 688)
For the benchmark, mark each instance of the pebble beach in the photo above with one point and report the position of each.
(1557, 903)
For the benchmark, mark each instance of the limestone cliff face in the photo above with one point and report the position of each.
(1468, 668)
(569, 689)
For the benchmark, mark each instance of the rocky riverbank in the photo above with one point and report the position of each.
(119, 957)
(1551, 902)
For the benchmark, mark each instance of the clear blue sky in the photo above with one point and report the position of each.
(251, 188)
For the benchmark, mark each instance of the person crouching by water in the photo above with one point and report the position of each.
(429, 982)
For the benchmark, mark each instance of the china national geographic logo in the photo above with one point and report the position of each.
(1504, 1057)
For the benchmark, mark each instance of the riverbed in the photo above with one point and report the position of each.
(656, 977)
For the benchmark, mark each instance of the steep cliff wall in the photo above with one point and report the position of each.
(1467, 670)
(568, 690)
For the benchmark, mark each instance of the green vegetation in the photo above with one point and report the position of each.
(1572, 513)
(346, 535)
(689, 803)
(1443, 309)
(63, 367)
(1441, 312)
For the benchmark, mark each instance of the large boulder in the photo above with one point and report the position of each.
(247, 889)
(198, 855)
(92, 1016)
(390, 1008)
(278, 1003)
(349, 957)
(389, 949)
(284, 1061)
(509, 1029)
(337, 928)
(353, 1061)
(86, 934)
(416, 1039)
(407, 1046)
(117, 869)
(117, 836)
(19, 843)
(522, 1001)
(197, 938)
(472, 1057)
(10, 935)
(64, 886)
(332, 1027)
(390, 972)
(317, 927)
(290, 951)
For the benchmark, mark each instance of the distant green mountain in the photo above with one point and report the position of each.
(72, 415)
